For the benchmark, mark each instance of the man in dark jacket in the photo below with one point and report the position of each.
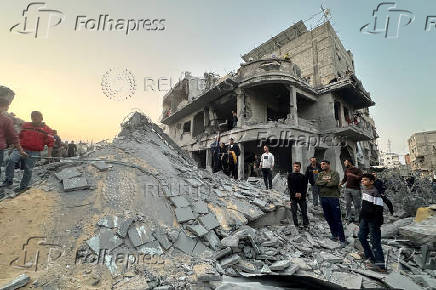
(312, 172)
(352, 193)
(33, 137)
(371, 219)
(215, 149)
(297, 184)
(72, 149)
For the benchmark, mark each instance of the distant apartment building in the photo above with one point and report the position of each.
(296, 92)
(390, 160)
(422, 150)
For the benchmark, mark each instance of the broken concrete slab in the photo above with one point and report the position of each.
(123, 226)
(108, 221)
(140, 235)
(330, 257)
(163, 240)
(251, 212)
(151, 248)
(202, 250)
(398, 281)
(213, 240)
(209, 221)
(423, 233)
(200, 207)
(230, 241)
(280, 265)
(101, 165)
(68, 173)
(18, 282)
(105, 240)
(222, 253)
(184, 214)
(179, 201)
(185, 244)
(232, 260)
(75, 183)
(198, 230)
(346, 280)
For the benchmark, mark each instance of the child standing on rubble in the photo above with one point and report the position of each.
(371, 220)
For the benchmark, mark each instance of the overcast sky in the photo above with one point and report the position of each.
(61, 74)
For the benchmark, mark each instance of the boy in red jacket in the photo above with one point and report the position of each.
(33, 137)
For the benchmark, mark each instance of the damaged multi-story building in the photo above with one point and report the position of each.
(422, 150)
(296, 92)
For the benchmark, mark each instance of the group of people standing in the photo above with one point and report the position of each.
(225, 157)
(363, 191)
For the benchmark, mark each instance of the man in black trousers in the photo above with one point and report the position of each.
(297, 184)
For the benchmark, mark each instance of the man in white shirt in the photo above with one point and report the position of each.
(267, 165)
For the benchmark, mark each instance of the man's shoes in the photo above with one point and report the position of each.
(20, 190)
(6, 184)
(334, 239)
(376, 268)
(343, 244)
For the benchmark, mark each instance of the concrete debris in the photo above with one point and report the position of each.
(75, 183)
(280, 265)
(346, 280)
(184, 214)
(68, 173)
(423, 233)
(18, 282)
(101, 165)
(397, 281)
(140, 235)
(209, 221)
(216, 227)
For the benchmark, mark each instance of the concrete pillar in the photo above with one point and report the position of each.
(206, 117)
(240, 106)
(298, 154)
(341, 115)
(241, 172)
(209, 160)
(293, 113)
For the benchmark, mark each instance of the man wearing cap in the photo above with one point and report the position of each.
(33, 137)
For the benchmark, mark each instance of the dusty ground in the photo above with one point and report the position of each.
(24, 219)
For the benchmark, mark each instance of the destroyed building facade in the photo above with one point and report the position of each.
(422, 150)
(296, 92)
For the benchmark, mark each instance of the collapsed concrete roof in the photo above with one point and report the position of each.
(145, 196)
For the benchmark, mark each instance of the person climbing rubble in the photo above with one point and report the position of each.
(267, 165)
(312, 171)
(33, 137)
(352, 193)
(328, 182)
(297, 184)
(371, 219)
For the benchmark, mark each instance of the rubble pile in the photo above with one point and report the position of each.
(139, 213)
(407, 193)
